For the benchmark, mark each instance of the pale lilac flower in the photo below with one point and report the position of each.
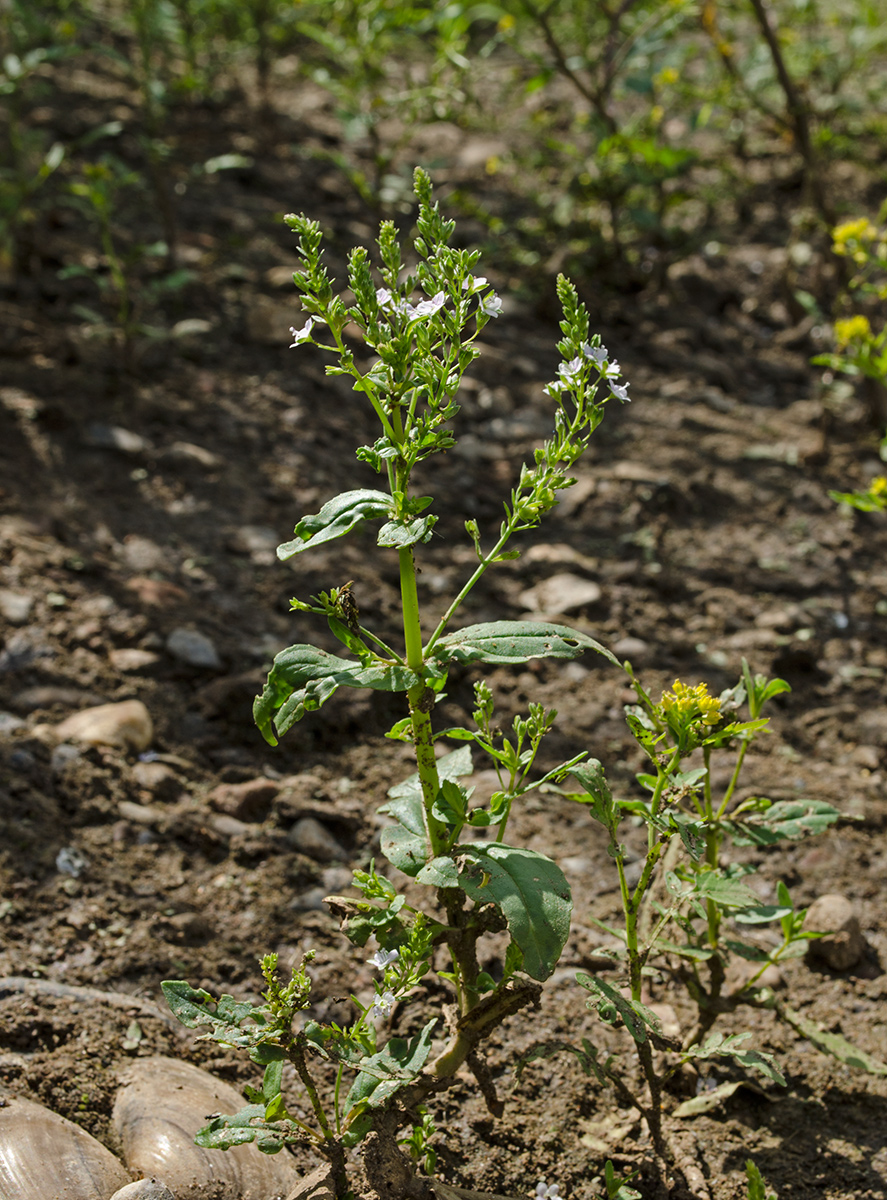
(546, 1191)
(384, 958)
(426, 308)
(620, 391)
(611, 370)
(491, 305)
(383, 1005)
(598, 353)
(569, 372)
(383, 297)
(473, 283)
(303, 334)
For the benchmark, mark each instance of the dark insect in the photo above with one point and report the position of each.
(347, 606)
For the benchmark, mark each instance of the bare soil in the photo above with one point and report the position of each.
(702, 511)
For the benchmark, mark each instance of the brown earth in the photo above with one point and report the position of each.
(702, 512)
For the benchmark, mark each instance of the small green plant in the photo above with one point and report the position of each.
(757, 1189)
(860, 351)
(421, 347)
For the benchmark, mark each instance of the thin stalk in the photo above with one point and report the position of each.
(297, 1057)
(734, 779)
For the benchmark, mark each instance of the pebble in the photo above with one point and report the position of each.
(113, 437)
(191, 327)
(561, 593)
(189, 452)
(250, 801)
(156, 777)
(636, 650)
(228, 827)
(140, 814)
(309, 837)
(44, 1156)
(157, 1112)
(141, 554)
(144, 1189)
(156, 592)
(130, 660)
(15, 607)
(193, 648)
(69, 861)
(127, 725)
(844, 944)
(47, 695)
(62, 757)
(258, 541)
(9, 723)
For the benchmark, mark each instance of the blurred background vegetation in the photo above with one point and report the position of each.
(602, 137)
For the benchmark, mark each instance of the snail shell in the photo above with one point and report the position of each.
(156, 1114)
(43, 1155)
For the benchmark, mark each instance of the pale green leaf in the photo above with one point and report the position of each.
(337, 517)
(515, 642)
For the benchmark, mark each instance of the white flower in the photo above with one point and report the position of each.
(546, 1191)
(303, 334)
(491, 305)
(383, 1005)
(570, 371)
(473, 283)
(426, 308)
(383, 297)
(620, 391)
(598, 353)
(383, 958)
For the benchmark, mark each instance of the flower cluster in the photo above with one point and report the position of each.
(851, 329)
(571, 373)
(385, 999)
(685, 705)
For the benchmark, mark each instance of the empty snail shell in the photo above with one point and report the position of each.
(156, 1114)
(43, 1154)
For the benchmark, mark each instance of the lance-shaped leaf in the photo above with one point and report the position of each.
(830, 1043)
(792, 819)
(611, 1005)
(337, 517)
(385, 1073)
(304, 677)
(250, 1125)
(530, 891)
(515, 642)
(719, 1045)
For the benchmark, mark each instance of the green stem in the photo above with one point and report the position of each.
(734, 779)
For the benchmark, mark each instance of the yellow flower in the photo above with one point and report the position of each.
(852, 329)
(879, 486)
(688, 704)
(505, 23)
(859, 230)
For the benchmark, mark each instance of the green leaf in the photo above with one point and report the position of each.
(831, 1043)
(706, 1101)
(732, 893)
(531, 892)
(761, 914)
(337, 517)
(405, 845)
(792, 819)
(611, 1005)
(717, 1045)
(304, 677)
(396, 535)
(515, 642)
(385, 1073)
(249, 1125)
(441, 872)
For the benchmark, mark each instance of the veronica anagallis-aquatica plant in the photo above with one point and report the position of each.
(421, 328)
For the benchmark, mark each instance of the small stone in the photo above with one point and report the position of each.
(844, 944)
(193, 648)
(139, 814)
(69, 861)
(561, 593)
(189, 452)
(156, 777)
(250, 801)
(22, 760)
(131, 660)
(156, 592)
(191, 327)
(258, 541)
(228, 827)
(112, 437)
(144, 1189)
(9, 723)
(127, 725)
(46, 696)
(62, 757)
(635, 649)
(15, 607)
(309, 837)
(141, 554)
